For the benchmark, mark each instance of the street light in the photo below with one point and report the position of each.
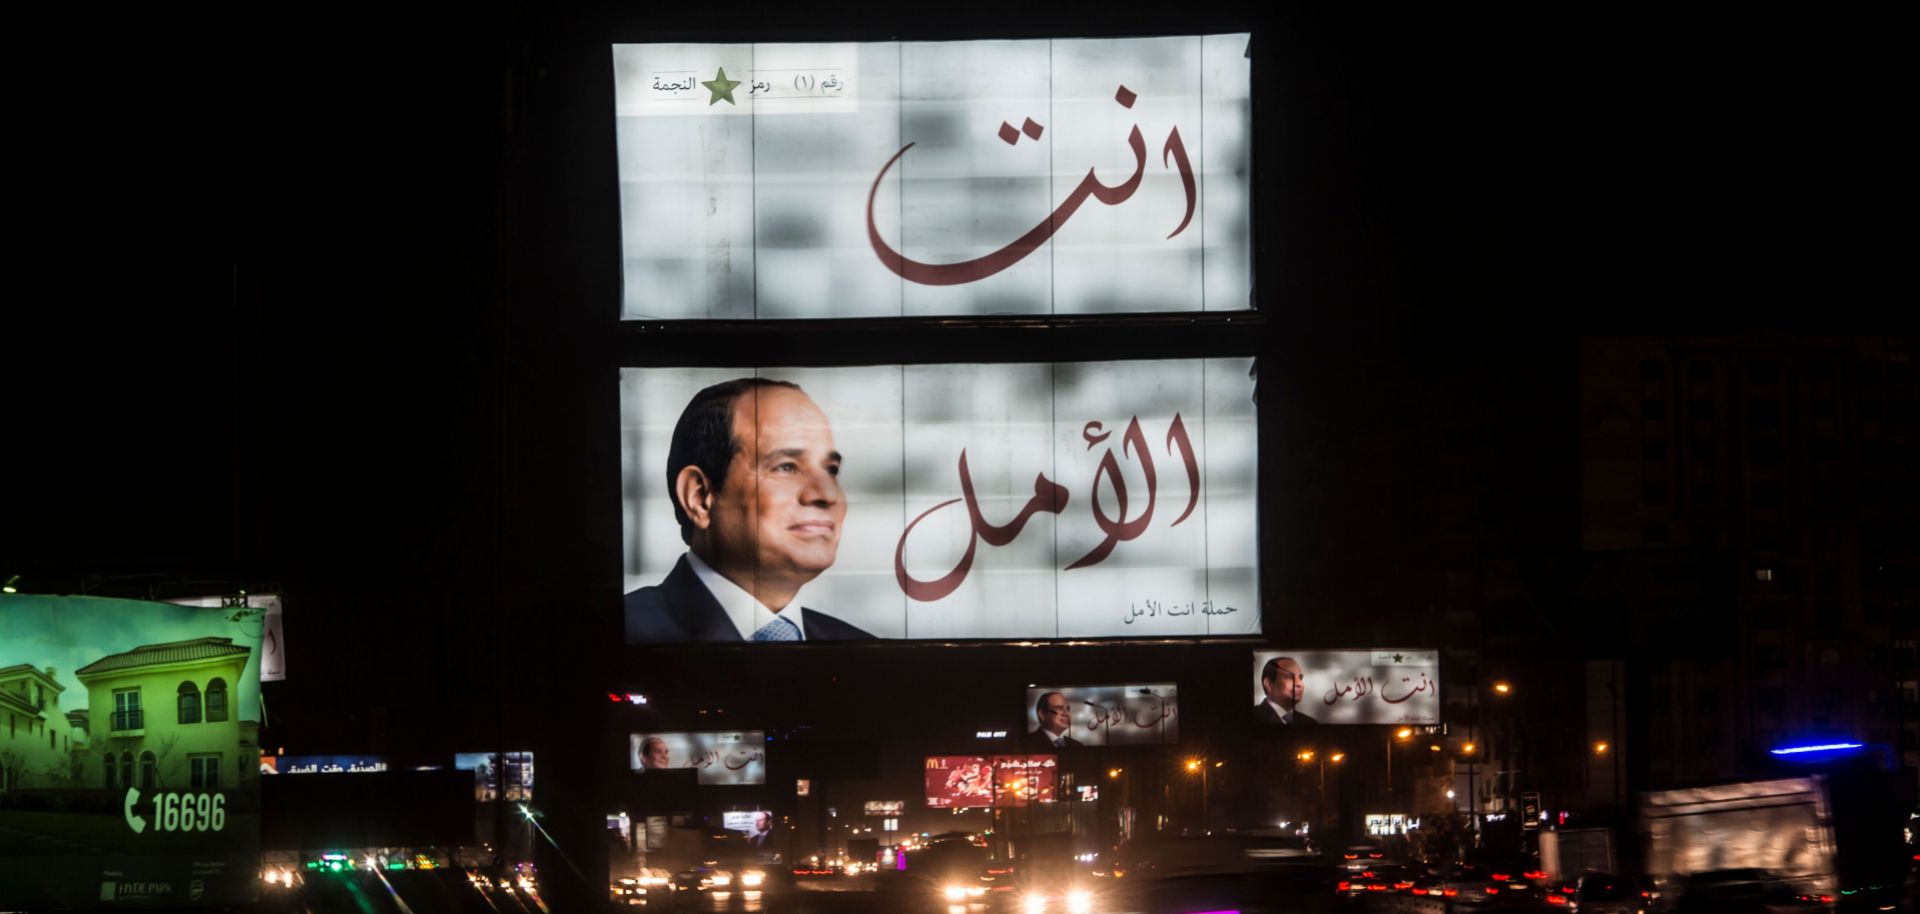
(1502, 688)
(1600, 748)
(1200, 765)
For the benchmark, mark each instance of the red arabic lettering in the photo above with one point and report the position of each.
(951, 274)
(1052, 497)
(1048, 496)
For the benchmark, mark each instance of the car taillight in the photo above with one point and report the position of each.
(1501, 877)
(1375, 856)
(1419, 891)
(1826, 899)
(1492, 890)
(1556, 899)
(1375, 887)
(1368, 874)
(1357, 856)
(1449, 893)
(1344, 886)
(1402, 886)
(1536, 874)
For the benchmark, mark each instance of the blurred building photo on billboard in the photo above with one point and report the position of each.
(1064, 717)
(1379, 686)
(492, 771)
(130, 769)
(719, 759)
(1005, 501)
(903, 179)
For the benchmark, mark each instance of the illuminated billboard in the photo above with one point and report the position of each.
(720, 759)
(1005, 501)
(903, 179)
(882, 808)
(980, 781)
(1065, 717)
(1380, 686)
(321, 764)
(488, 777)
(130, 769)
(756, 824)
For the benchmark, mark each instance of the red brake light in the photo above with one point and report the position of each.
(1826, 899)
(1501, 877)
(1344, 886)
(1357, 856)
(1542, 874)
(1449, 893)
(1419, 891)
(1374, 856)
(1492, 891)
(1368, 874)
(1403, 885)
(1556, 899)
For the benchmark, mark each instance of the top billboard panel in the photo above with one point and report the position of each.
(1379, 686)
(1066, 717)
(130, 771)
(907, 179)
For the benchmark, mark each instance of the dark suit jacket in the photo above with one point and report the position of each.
(1263, 713)
(1037, 741)
(681, 609)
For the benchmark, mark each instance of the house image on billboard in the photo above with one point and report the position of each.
(37, 741)
(165, 716)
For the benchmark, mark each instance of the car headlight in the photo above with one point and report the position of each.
(722, 879)
(955, 893)
(752, 878)
(1035, 903)
(1079, 901)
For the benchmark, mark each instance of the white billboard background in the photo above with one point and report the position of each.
(902, 429)
(1378, 686)
(721, 759)
(1116, 715)
(741, 821)
(759, 207)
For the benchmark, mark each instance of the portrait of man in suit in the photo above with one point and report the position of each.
(1055, 714)
(762, 829)
(1285, 685)
(754, 479)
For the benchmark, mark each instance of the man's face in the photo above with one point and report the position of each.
(779, 513)
(1287, 686)
(654, 754)
(1055, 713)
(763, 822)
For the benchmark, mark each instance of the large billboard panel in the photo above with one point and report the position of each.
(130, 766)
(904, 179)
(979, 781)
(1003, 501)
(756, 824)
(1379, 686)
(1064, 717)
(720, 759)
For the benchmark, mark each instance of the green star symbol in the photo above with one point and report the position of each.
(721, 87)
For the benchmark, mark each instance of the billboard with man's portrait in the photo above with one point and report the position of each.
(720, 759)
(1379, 686)
(1001, 501)
(929, 178)
(1111, 715)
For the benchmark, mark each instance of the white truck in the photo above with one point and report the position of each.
(1782, 827)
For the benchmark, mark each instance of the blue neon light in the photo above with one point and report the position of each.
(1824, 747)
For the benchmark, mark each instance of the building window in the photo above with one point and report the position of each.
(1656, 534)
(149, 771)
(112, 772)
(1764, 451)
(1764, 372)
(1652, 370)
(1763, 574)
(203, 772)
(1763, 413)
(126, 768)
(1703, 409)
(216, 701)
(126, 710)
(189, 703)
(1654, 450)
(1654, 493)
(1653, 409)
(1766, 495)
(1700, 371)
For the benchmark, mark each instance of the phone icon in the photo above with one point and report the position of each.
(134, 822)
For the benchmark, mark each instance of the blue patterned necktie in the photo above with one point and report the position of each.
(777, 630)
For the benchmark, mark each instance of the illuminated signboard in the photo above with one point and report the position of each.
(738, 757)
(967, 781)
(885, 807)
(321, 764)
(1007, 501)
(130, 774)
(1381, 686)
(934, 178)
(1116, 715)
(264, 607)
(756, 824)
(487, 778)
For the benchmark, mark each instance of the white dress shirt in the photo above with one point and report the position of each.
(747, 614)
